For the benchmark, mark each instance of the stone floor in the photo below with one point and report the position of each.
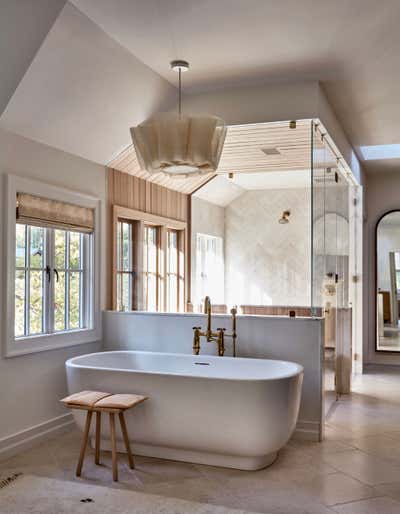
(356, 470)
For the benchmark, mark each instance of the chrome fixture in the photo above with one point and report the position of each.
(285, 218)
(214, 337)
(178, 144)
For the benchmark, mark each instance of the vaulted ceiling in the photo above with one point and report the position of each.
(76, 76)
(256, 147)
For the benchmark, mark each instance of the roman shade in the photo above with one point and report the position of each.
(43, 212)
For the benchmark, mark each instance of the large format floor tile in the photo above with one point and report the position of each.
(382, 505)
(355, 470)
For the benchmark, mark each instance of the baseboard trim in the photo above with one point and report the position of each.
(307, 431)
(25, 439)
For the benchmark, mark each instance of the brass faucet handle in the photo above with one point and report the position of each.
(196, 328)
(219, 329)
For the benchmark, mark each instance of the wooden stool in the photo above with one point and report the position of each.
(98, 402)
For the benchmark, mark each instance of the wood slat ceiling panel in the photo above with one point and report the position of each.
(242, 153)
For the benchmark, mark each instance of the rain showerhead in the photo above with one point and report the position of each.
(285, 218)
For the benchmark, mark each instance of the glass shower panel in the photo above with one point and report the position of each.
(321, 235)
(324, 263)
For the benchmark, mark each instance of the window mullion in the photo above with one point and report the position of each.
(50, 256)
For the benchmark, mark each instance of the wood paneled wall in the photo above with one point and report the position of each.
(139, 194)
(135, 193)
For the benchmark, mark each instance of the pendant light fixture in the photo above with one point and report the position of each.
(179, 145)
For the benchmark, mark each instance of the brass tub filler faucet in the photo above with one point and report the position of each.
(214, 337)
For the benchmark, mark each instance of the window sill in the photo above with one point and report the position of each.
(45, 342)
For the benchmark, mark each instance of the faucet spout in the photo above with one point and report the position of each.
(207, 310)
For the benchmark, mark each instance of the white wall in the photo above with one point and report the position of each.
(382, 194)
(31, 385)
(207, 218)
(267, 263)
(293, 339)
(275, 102)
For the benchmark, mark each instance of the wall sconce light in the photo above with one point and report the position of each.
(285, 218)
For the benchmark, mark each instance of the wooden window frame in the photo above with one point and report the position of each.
(120, 271)
(180, 273)
(159, 275)
(141, 219)
(12, 346)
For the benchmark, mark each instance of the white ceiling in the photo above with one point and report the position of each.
(219, 191)
(104, 65)
(23, 27)
(83, 91)
(352, 47)
(222, 190)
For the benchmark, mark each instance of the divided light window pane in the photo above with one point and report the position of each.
(125, 274)
(51, 270)
(159, 283)
(150, 268)
(30, 253)
(174, 284)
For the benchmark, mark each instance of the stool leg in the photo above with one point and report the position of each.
(113, 447)
(126, 439)
(98, 431)
(84, 443)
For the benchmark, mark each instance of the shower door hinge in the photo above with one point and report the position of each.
(336, 177)
(336, 278)
(355, 201)
(354, 279)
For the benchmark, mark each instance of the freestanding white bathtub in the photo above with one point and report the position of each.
(221, 411)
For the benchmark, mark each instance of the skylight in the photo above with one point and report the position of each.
(375, 152)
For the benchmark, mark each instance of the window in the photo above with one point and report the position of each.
(175, 283)
(148, 262)
(151, 275)
(30, 269)
(209, 268)
(51, 268)
(52, 261)
(125, 272)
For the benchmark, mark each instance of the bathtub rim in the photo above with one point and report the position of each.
(299, 369)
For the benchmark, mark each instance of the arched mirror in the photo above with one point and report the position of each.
(388, 282)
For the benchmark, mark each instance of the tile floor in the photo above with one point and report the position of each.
(356, 470)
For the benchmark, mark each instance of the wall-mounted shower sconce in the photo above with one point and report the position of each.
(285, 218)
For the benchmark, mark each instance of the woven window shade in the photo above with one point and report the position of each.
(42, 212)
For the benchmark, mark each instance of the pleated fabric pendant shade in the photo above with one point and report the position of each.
(177, 144)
